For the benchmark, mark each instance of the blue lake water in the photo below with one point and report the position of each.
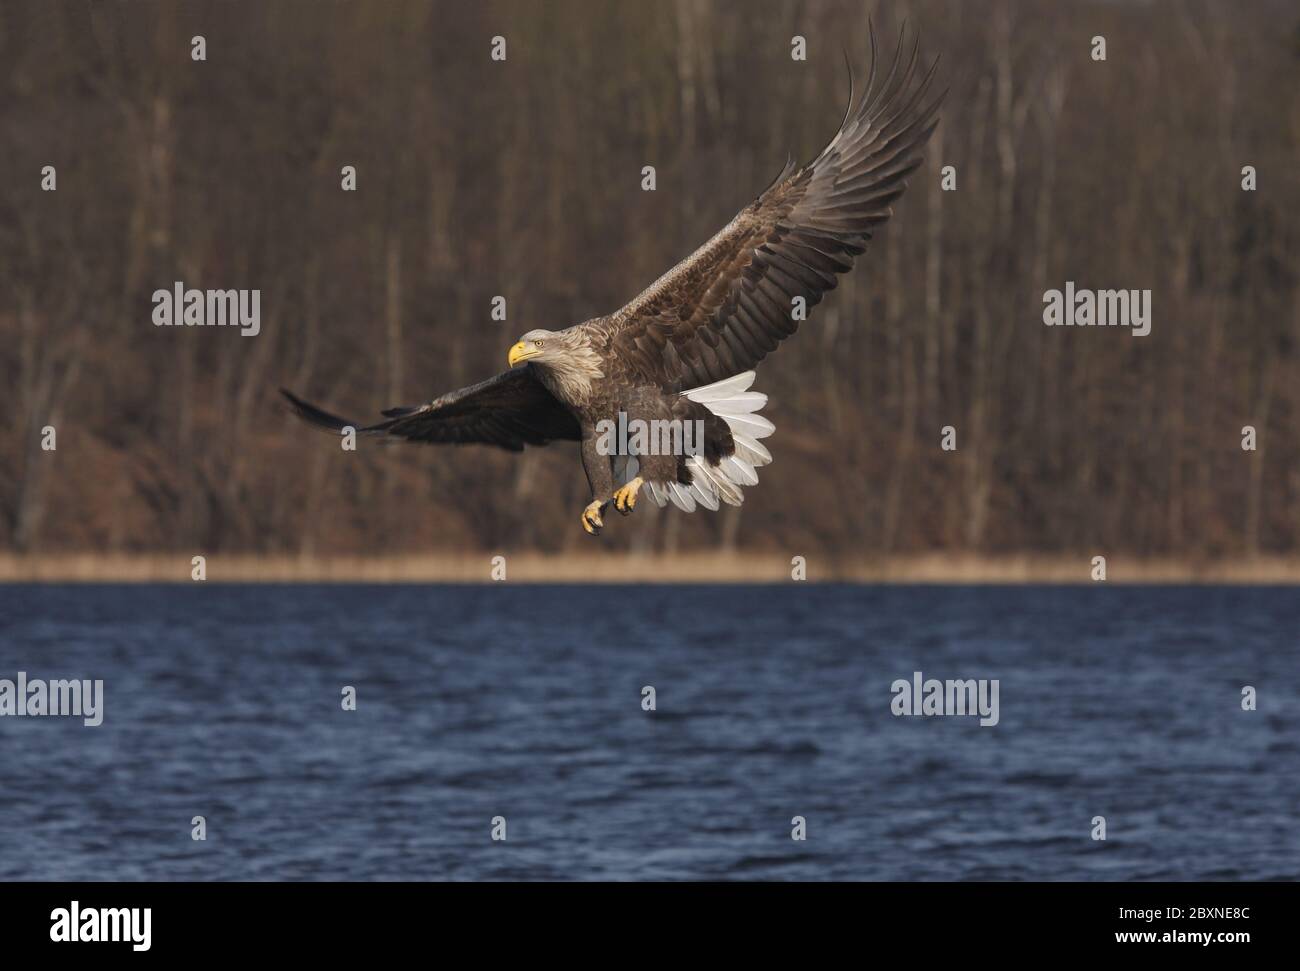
(772, 702)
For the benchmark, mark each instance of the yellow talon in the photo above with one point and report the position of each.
(625, 498)
(591, 520)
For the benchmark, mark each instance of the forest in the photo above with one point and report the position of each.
(924, 407)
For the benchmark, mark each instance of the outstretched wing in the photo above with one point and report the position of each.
(722, 309)
(511, 410)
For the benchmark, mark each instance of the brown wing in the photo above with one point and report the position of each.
(722, 309)
(511, 410)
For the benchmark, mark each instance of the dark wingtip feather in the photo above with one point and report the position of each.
(848, 64)
(400, 412)
(780, 177)
(313, 415)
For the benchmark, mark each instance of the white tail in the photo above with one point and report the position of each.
(733, 402)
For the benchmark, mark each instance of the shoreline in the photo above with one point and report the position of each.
(749, 567)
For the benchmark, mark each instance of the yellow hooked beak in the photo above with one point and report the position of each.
(521, 352)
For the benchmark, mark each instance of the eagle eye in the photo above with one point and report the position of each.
(538, 343)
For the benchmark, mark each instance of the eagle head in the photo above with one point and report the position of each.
(567, 363)
(535, 345)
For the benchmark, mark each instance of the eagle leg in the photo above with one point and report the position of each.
(600, 476)
(625, 498)
(591, 520)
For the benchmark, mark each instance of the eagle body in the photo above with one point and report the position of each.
(685, 349)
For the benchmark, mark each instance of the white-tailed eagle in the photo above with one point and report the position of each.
(631, 387)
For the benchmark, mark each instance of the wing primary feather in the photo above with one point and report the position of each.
(315, 416)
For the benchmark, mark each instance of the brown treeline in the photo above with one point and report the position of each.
(523, 179)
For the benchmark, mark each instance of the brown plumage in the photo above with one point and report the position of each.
(684, 349)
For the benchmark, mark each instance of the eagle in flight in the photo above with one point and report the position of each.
(681, 355)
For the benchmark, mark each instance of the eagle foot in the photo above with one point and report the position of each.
(625, 498)
(591, 520)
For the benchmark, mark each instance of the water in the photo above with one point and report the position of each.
(773, 702)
